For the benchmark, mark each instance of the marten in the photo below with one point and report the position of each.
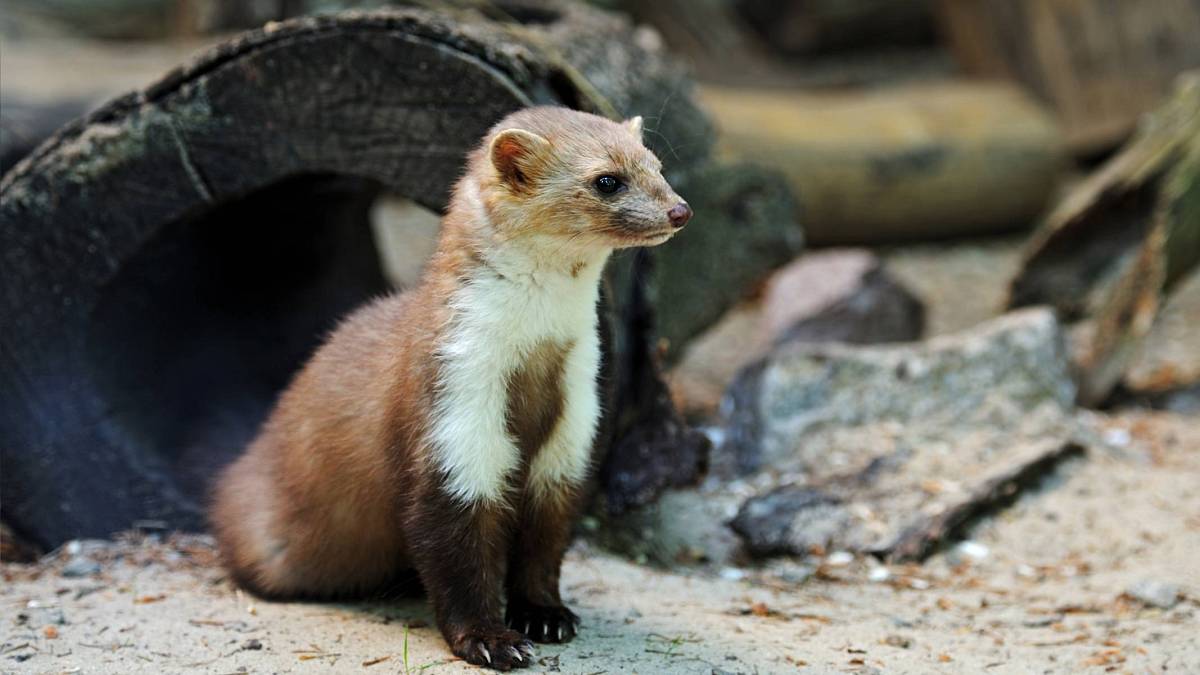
(446, 432)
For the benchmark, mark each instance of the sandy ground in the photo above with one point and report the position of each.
(1048, 596)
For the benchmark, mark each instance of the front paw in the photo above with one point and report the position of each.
(495, 648)
(543, 624)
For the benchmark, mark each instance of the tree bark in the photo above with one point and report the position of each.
(1113, 248)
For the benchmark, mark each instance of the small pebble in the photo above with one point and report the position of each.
(879, 574)
(839, 559)
(973, 550)
(898, 641)
(1151, 593)
(795, 574)
(80, 566)
(1117, 437)
(733, 574)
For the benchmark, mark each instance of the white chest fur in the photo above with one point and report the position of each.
(498, 321)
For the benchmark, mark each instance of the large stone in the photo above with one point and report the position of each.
(840, 295)
(985, 377)
(901, 163)
(887, 449)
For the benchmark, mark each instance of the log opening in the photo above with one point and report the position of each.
(192, 341)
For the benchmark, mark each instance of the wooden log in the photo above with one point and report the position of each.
(169, 260)
(808, 27)
(901, 163)
(1098, 63)
(1113, 248)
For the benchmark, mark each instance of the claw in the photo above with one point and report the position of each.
(546, 628)
(526, 648)
(526, 631)
(560, 633)
(486, 654)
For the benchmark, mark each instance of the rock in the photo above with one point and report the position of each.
(790, 572)
(769, 524)
(900, 163)
(80, 566)
(713, 359)
(680, 527)
(1153, 593)
(889, 449)
(37, 615)
(1184, 400)
(1002, 369)
(405, 236)
(842, 295)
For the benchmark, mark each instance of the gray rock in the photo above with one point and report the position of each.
(872, 449)
(80, 566)
(681, 527)
(771, 523)
(889, 449)
(841, 295)
(987, 378)
(1154, 593)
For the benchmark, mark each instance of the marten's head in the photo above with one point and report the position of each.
(576, 180)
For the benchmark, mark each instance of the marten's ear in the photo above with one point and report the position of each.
(635, 126)
(515, 152)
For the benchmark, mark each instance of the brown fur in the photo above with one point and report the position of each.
(339, 495)
(535, 399)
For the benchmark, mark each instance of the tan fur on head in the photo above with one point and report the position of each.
(546, 161)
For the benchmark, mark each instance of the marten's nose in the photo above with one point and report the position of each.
(679, 214)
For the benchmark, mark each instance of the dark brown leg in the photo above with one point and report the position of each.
(460, 556)
(534, 605)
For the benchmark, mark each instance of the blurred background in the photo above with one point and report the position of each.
(943, 256)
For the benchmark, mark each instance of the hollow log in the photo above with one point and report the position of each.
(169, 260)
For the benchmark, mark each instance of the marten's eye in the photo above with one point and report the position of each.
(608, 185)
